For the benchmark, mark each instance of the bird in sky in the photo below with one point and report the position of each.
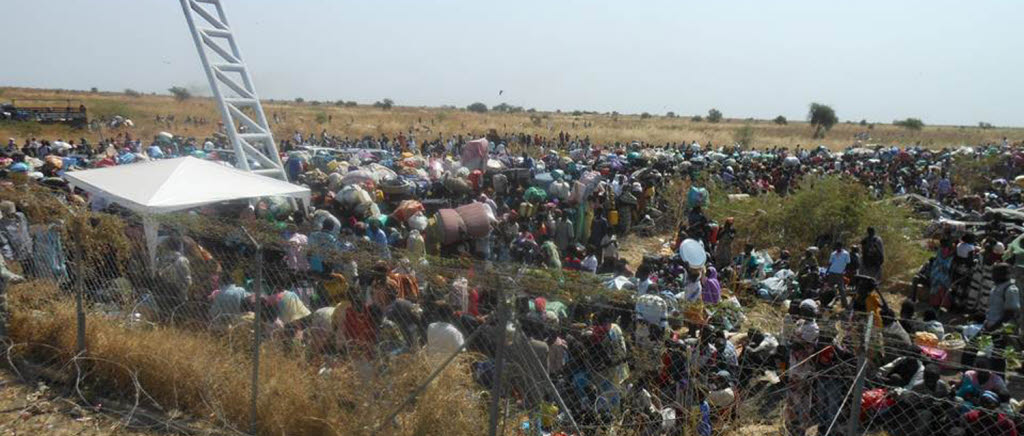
(501, 91)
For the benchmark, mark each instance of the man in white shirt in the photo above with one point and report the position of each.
(837, 263)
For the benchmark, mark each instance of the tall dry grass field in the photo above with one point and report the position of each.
(429, 123)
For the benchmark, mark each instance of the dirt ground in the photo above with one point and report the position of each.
(39, 410)
(633, 248)
(36, 410)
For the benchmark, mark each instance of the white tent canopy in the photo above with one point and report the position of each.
(170, 185)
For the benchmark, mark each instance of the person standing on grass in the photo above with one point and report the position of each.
(837, 263)
(873, 255)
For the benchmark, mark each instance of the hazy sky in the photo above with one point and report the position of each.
(946, 62)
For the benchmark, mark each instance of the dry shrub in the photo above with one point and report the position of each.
(199, 374)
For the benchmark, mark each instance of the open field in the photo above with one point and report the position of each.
(429, 123)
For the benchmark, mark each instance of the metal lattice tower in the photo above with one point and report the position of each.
(240, 108)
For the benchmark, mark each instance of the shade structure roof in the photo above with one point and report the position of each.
(169, 185)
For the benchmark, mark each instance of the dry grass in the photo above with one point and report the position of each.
(430, 122)
(198, 374)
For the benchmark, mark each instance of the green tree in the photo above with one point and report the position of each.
(780, 120)
(910, 123)
(645, 116)
(321, 118)
(985, 125)
(822, 118)
(131, 92)
(180, 93)
(477, 107)
(670, 114)
(697, 118)
(385, 104)
(714, 116)
(300, 100)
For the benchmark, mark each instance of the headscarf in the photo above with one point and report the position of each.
(712, 289)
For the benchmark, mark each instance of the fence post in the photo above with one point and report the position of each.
(499, 359)
(257, 335)
(858, 384)
(79, 303)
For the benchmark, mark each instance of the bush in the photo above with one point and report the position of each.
(780, 120)
(714, 116)
(477, 107)
(645, 116)
(744, 136)
(131, 92)
(321, 118)
(985, 125)
(910, 123)
(670, 114)
(822, 211)
(351, 103)
(863, 122)
(505, 107)
(180, 93)
(94, 90)
(385, 104)
(300, 100)
(822, 118)
(975, 175)
(697, 118)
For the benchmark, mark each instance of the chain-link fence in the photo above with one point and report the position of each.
(307, 329)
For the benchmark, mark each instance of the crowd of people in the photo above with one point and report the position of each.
(356, 277)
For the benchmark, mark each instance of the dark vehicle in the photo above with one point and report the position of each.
(38, 111)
